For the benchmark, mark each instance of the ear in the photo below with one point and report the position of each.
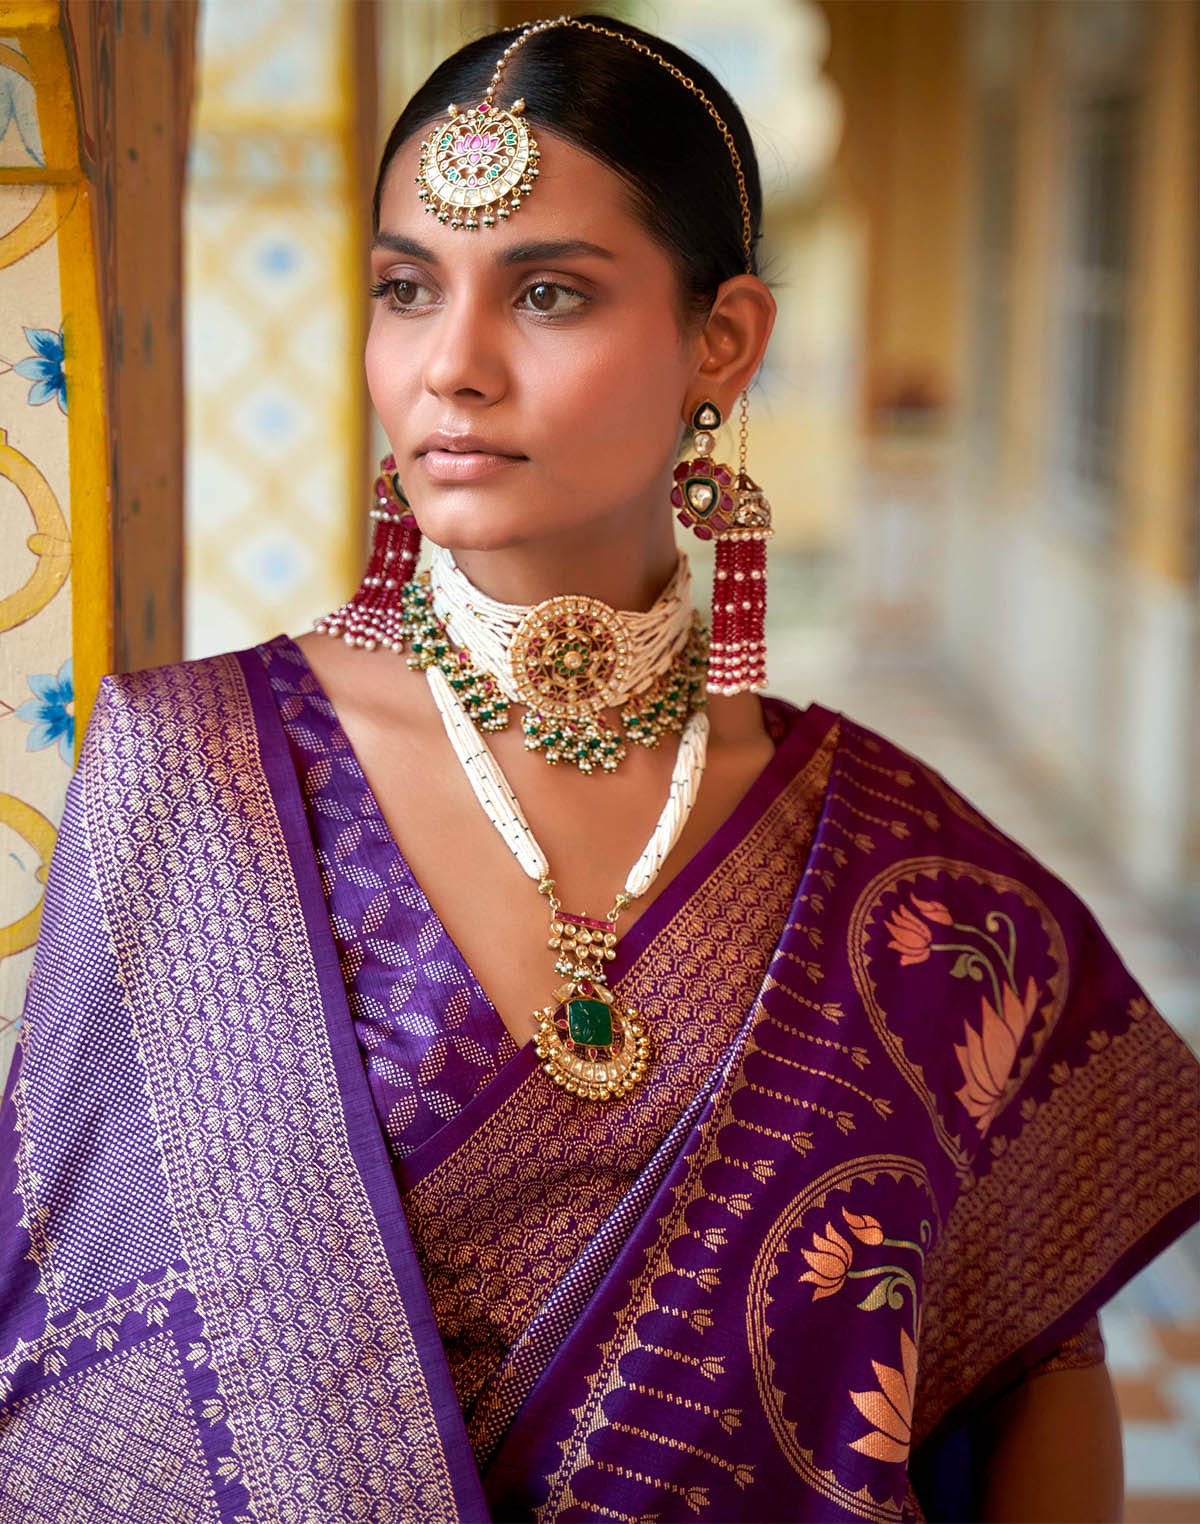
(733, 341)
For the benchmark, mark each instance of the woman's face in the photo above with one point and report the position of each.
(531, 377)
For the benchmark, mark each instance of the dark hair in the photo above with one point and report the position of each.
(634, 116)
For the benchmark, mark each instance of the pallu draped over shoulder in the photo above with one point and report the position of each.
(292, 1230)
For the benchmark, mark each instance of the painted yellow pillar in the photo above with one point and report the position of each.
(90, 404)
(55, 584)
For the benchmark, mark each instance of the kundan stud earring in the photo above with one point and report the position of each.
(374, 616)
(716, 503)
(703, 492)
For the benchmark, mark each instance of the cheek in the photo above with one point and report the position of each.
(625, 393)
(383, 359)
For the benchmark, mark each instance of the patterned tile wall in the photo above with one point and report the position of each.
(37, 708)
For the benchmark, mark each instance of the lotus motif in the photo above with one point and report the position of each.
(911, 936)
(472, 146)
(829, 1259)
(988, 1055)
(867, 1229)
(889, 1410)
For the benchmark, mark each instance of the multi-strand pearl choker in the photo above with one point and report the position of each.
(568, 660)
(571, 652)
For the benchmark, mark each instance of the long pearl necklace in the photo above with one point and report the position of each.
(590, 1042)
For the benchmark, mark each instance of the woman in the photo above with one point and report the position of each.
(833, 1132)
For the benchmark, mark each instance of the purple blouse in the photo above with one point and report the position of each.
(429, 1036)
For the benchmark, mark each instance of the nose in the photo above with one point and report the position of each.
(465, 357)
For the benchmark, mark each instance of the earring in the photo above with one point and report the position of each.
(717, 504)
(373, 616)
(703, 491)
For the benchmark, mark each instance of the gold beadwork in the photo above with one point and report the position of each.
(477, 167)
(594, 1074)
(569, 657)
(474, 172)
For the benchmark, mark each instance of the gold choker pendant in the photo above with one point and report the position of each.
(589, 1041)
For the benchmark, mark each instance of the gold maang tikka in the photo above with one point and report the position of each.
(474, 169)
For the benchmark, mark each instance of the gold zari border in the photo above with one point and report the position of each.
(1009, 1263)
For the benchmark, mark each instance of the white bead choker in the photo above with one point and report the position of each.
(570, 655)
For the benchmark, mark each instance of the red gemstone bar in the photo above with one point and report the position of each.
(737, 656)
(583, 920)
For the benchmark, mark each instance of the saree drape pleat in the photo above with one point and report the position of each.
(911, 1122)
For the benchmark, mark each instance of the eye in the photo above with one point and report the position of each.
(398, 293)
(549, 297)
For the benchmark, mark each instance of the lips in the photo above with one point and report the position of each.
(445, 443)
(453, 458)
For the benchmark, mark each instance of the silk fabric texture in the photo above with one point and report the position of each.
(910, 1123)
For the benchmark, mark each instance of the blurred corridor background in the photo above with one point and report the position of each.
(978, 425)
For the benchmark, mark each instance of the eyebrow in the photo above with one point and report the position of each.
(544, 252)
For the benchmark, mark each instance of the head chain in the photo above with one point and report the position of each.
(674, 71)
(694, 88)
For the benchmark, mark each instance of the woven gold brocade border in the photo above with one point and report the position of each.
(1009, 1264)
(500, 1222)
(310, 1340)
(118, 1442)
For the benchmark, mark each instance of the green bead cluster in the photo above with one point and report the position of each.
(666, 706)
(588, 743)
(429, 646)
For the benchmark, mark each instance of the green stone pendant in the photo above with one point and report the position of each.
(590, 1043)
(589, 1023)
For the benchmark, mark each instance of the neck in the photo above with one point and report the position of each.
(626, 565)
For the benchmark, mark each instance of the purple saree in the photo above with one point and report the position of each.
(289, 1233)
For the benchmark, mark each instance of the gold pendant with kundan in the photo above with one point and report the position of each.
(588, 1040)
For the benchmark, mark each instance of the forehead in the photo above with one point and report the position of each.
(574, 197)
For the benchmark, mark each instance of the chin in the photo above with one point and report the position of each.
(466, 520)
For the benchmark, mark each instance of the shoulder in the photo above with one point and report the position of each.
(912, 850)
(903, 800)
(175, 704)
(156, 685)
(375, 695)
(942, 905)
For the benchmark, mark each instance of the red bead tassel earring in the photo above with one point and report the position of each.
(373, 616)
(716, 504)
